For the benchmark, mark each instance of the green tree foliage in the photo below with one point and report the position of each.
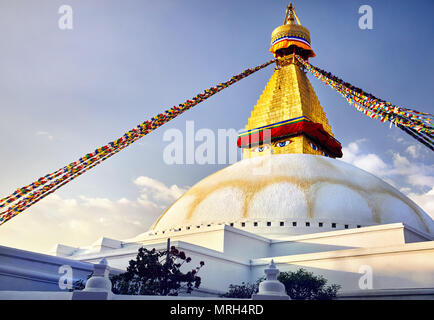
(299, 285)
(244, 290)
(157, 273)
(79, 284)
(304, 285)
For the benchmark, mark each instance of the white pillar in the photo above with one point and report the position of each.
(271, 288)
(98, 286)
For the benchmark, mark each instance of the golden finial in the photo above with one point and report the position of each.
(291, 33)
(290, 14)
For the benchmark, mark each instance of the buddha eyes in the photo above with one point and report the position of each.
(261, 149)
(277, 144)
(282, 143)
(313, 146)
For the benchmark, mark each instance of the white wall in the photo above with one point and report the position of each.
(209, 237)
(395, 264)
(374, 236)
(219, 271)
(394, 267)
(25, 270)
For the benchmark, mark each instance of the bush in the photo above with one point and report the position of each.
(245, 290)
(303, 285)
(157, 273)
(154, 273)
(299, 285)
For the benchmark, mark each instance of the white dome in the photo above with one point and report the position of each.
(292, 194)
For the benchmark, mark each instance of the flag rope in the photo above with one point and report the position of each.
(417, 124)
(49, 183)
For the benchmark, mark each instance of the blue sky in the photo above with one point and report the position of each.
(65, 92)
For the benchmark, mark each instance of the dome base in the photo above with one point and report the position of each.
(291, 194)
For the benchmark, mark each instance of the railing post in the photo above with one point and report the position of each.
(271, 288)
(98, 286)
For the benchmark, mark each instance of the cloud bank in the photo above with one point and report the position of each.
(81, 221)
(406, 172)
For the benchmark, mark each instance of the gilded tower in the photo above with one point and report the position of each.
(288, 117)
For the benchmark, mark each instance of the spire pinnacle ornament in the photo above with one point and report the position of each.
(288, 117)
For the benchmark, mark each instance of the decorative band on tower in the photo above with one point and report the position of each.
(290, 128)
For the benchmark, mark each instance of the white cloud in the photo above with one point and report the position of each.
(401, 162)
(102, 203)
(124, 201)
(410, 177)
(371, 163)
(424, 200)
(421, 180)
(350, 152)
(46, 134)
(158, 190)
(81, 221)
(413, 151)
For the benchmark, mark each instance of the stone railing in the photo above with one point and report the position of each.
(99, 287)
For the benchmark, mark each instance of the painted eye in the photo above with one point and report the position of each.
(283, 143)
(313, 146)
(260, 149)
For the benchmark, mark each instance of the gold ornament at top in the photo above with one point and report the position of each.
(291, 34)
(288, 96)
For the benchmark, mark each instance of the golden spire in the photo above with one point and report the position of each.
(288, 117)
(290, 14)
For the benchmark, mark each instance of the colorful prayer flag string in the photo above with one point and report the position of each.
(417, 124)
(49, 183)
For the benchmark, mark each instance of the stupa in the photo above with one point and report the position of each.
(289, 181)
(289, 201)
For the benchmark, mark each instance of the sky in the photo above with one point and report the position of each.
(64, 93)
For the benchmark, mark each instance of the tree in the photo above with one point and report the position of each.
(79, 284)
(299, 285)
(157, 273)
(304, 285)
(243, 291)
